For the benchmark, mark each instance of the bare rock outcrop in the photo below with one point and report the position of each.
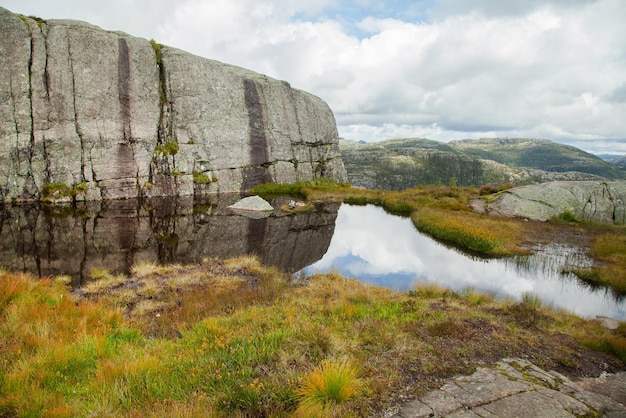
(89, 114)
(587, 200)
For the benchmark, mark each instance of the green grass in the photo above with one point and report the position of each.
(566, 217)
(471, 232)
(609, 251)
(236, 338)
(169, 148)
(301, 190)
(201, 178)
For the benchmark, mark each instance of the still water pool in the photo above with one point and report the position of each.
(385, 250)
(362, 242)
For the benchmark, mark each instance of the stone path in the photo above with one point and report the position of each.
(517, 388)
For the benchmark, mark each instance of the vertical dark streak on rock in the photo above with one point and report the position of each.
(162, 132)
(125, 96)
(256, 173)
(35, 246)
(123, 74)
(298, 140)
(46, 71)
(256, 237)
(46, 76)
(159, 166)
(31, 147)
(130, 243)
(15, 154)
(83, 260)
(76, 123)
(46, 158)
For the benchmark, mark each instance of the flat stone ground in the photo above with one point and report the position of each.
(517, 388)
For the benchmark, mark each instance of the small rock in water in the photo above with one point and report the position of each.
(253, 206)
(608, 323)
(295, 204)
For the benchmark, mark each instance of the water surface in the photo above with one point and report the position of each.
(385, 250)
(118, 234)
(363, 242)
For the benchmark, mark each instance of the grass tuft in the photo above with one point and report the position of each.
(147, 268)
(431, 290)
(329, 384)
(531, 300)
(566, 217)
(102, 279)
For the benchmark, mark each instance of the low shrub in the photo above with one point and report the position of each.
(52, 190)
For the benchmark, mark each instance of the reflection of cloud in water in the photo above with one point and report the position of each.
(386, 250)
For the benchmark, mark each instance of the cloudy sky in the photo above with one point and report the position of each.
(439, 69)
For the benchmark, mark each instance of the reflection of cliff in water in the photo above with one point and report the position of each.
(117, 234)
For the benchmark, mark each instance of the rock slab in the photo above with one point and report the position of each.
(516, 388)
(254, 203)
(108, 116)
(597, 201)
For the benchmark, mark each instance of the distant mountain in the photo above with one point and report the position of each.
(537, 153)
(620, 162)
(609, 157)
(398, 164)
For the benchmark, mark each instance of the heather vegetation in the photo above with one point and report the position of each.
(236, 338)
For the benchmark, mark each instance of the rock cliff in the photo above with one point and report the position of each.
(88, 114)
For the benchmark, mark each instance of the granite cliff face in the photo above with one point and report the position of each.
(87, 114)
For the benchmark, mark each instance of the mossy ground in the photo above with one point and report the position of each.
(235, 338)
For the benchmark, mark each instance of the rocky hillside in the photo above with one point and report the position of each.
(402, 163)
(620, 162)
(537, 153)
(90, 114)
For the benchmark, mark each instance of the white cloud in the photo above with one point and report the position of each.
(554, 69)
